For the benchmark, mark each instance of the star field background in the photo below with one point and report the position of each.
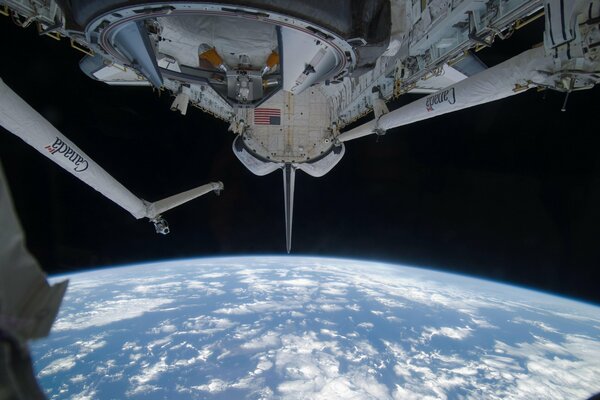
(508, 190)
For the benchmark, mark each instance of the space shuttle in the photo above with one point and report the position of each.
(290, 76)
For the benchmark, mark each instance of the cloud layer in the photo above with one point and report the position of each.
(303, 328)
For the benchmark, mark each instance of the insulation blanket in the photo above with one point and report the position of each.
(28, 304)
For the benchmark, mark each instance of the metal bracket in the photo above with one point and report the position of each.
(519, 87)
(50, 31)
(527, 20)
(357, 42)
(78, 46)
(379, 133)
(160, 225)
(115, 65)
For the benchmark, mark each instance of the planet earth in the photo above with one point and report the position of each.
(313, 328)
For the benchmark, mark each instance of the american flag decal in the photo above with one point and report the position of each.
(267, 116)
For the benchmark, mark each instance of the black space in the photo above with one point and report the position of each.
(508, 191)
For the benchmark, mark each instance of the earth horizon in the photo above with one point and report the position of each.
(271, 327)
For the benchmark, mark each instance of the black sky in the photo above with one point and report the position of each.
(508, 191)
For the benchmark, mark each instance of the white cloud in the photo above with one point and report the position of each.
(164, 327)
(259, 307)
(246, 331)
(157, 287)
(213, 386)
(556, 370)
(331, 307)
(482, 323)
(142, 389)
(202, 356)
(325, 322)
(538, 369)
(161, 343)
(456, 333)
(270, 339)
(205, 288)
(297, 314)
(366, 325)
(334, 289)
(298, 282)
(390, 302)
(88, 393)
(133, 346)
(78, 378)
(405, 394)
(360, 352)
(539, 324)
(329, 332)
(148, 373)
(108, 312)
(263, 365)
(311, 370)
(60, 365)
(396, 349)
(206, 325)
(213, 275)
(85, 347)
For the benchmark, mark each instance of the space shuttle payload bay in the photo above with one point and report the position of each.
(289, 76)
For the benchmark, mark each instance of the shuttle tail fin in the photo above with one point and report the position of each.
(289, 179)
